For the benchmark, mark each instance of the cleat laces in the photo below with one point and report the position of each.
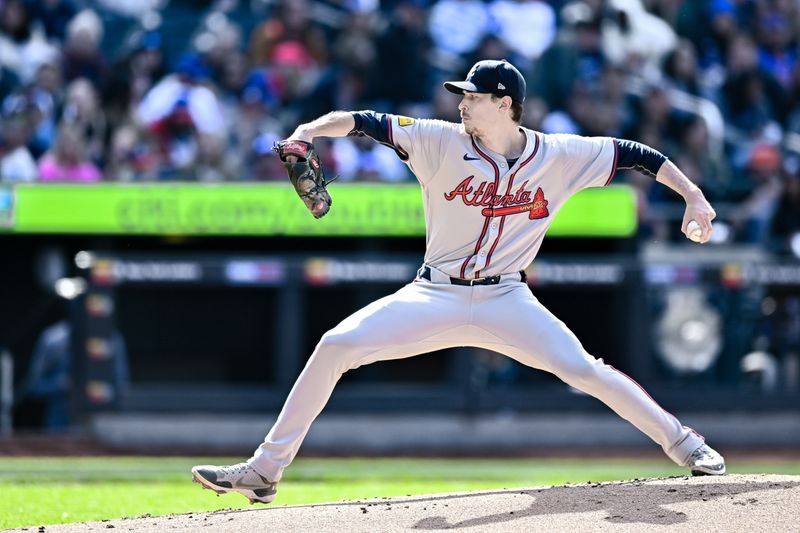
(234, 469)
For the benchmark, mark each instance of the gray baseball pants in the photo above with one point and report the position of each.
(425, 316)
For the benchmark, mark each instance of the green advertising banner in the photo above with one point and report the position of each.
(267, 209)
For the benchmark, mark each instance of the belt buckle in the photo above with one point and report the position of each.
(473, 281)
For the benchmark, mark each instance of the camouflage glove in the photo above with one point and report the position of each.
(305, 173)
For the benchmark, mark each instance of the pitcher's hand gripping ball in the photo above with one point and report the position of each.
(693, 231)
(305, 173)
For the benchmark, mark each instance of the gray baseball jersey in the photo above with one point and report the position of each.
(483, 217)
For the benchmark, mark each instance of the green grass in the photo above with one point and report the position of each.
(39, 491)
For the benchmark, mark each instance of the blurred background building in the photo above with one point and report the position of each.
(149, 94)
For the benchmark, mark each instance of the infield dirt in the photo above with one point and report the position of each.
(732, 503)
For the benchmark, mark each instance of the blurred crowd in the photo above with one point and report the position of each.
(156, 90)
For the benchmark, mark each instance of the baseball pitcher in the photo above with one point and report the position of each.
(491, 189)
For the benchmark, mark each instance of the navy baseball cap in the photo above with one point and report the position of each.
(500, 78)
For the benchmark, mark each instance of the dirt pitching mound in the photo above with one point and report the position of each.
(724, 504)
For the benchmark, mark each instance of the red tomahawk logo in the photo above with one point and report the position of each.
(536, 209)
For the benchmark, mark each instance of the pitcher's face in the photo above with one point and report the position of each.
(478, 112)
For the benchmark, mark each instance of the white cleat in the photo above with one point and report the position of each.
(705, 461)
(241, 478)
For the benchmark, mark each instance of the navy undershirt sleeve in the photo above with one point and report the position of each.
(373, 125)
(639, 157)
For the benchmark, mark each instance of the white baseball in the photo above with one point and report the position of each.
(693, 231)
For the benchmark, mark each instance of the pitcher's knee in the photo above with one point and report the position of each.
(582, 373)
(342, 349)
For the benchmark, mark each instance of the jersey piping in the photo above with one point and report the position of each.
(508, 192)
(487, 218)
(613, 168)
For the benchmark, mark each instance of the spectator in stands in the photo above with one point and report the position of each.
(83, 57)
(718, 33)
(613, 101)
(131, 78)
(777, 54)
(224, 55)
(46, 94)
(347, 82)
(148, 64)
(231, 74)
(296, 73)
(253, 115)
(180, 110)
(291, 23)
(457, 28)
(261, 91)
(742, 55)
(68, 161)
(403, 45)
(177, 137)
(35, 107)
(54, 16)
(655, 120)
(133, 156)
(591, 111)
(751, 114)
(491, 47)
(692, 22)
(680, 68)
(22, 49)
(575, 59)
(82, 112)
(636, 39)
(707, 169)
(527, 27)
(16, 34)
(232, 78)
(753, 216)
(16, 162)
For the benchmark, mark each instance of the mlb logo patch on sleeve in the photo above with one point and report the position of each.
(405, 121)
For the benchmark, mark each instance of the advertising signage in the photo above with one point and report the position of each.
(267, 209)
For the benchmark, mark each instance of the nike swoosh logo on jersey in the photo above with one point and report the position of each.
(468, 158)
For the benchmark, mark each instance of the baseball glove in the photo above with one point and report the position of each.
(305, 173)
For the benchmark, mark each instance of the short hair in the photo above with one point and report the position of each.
(516, 108)
(516, 112)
